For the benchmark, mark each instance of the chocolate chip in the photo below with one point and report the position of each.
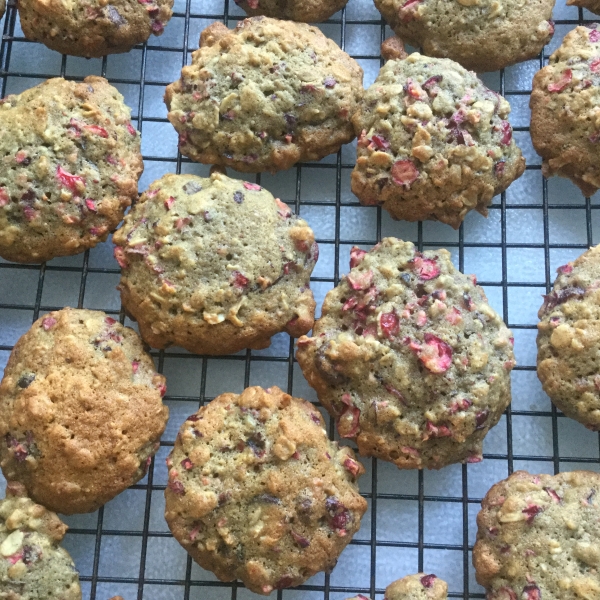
(26, 380)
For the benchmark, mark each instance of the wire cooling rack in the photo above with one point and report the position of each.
(416, 520)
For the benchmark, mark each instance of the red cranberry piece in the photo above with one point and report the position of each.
(562, 83)
(428, 580)
(594, 36)
(131, 129)
(390, 324)
(97, 130)
(499, 168)
(480, 418)
(459, 405)
(91, 205)
(69, 180)
(283, 210)
(595, 65)
(352, 466)
(360, 280)
(356, 256)
(551, 26)
(437, 431)
(187, 464)
(300, 540)
(565, 269)
(169, 202)
(436, 356)
(254, 187)
(348, 422)
(4, 197)
(119, 255)
(432, 82)
(532, 592)
(177, 487)
(162, 389)
(380, 142)
(474, 458)
(408, 10)
(394, 392)
(404, 173)
(425, 268)
(239, 280)
(48, 323)
(506, 131)
(338, 513)
(532, 511)
(287, 580)
(552, 493)
(329, 82)
(135, 365)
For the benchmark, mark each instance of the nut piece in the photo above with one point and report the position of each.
(393, 48)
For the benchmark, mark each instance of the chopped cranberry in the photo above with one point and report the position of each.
(131, 129)
(356, 256)
(135, 365)
(404, 172)
(499, 168)
(380, 142)
(22, 158)
(300, 540)
(437, 431)
(565, 269)
(474, 458)
(283, 210)
(531, 511)
(551, 26)
(4, 197)
(436, 355)
(390, 324)
(552, 493)
(239, 280)
(162, 389)
(348, 422)
(553, 299)
(169, 202)
(119, 255)
(14, 558)
(562, 83)
(468, 302)
(177, 487)
(352, 466)
(31, 554)
(532, 592)
(187, 464)
(432, 82)
(91, 204)
(408, 10)
(394, 392)
(459, 405)
(506, 131)
(339, 515)
(427, 580)
(195, 531)
(48, 323)
(595, 65)
(425, 268)
(73, 182)
(360, 280)
(329, 82)
(410, 451)
(480, 418)
(97, 130)
(594, 36)
(252, 186)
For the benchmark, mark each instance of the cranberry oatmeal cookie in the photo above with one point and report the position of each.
(565, 110)
(433, 142)
(258, 492)
(568, 340)
(215, 265)
(93, 28)
(69, 165)
(305, 11)
(414, 587)
(32, 564)
(591, 5)
(2, 7)
(481, 35)
(409, 358)
(81, 413)
(264, 96)
(539, 537)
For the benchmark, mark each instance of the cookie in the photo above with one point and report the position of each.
(414, 587)
(33, 566)
(215, 265)
(565, 126)
(93, 28)
(257, 491)
(539, 537)
(409, 358)
(591, 5)
(568, 340)
(69, 166)
(305, 11)
(433, 142)
(481, 35)
(393, 49)
(81, 413)
(2, 7)
(264, 96)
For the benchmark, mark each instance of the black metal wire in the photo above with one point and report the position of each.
(336, 169)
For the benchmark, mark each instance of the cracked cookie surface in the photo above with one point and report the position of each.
(93, 28)
(33, 566)
(568, 340)
(215, 265)
(81, 413)
(264, 96)
(409, 358)
(433, 142)
(69, 165)
(481, 35)
(539, 537)
(258, 492)
(565, 110)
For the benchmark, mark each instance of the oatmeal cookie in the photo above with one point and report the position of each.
(305, 11)
(258, 492)
(568, 340)
(591, 5)
(81, 413)
(414, 587)
(565, 110)
(539, 537)
(69, 165)
(93, 28)
(264, 96)
(215, 265)
(2, 7)
(32, 564)
(433, 142)
(409, 358)
(481, 35)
